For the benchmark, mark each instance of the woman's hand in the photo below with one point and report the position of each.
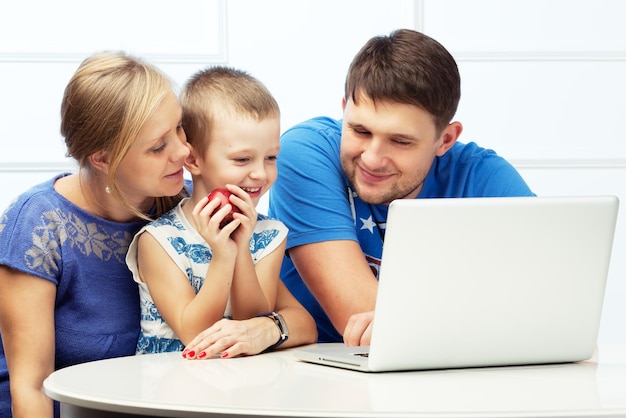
(229, 338)
(359, 329)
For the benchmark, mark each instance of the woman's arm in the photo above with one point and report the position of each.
(27, 328)
(230, 338)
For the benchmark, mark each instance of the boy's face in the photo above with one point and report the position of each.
(387, 148)
(242, 151)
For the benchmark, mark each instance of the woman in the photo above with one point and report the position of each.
(66, 295)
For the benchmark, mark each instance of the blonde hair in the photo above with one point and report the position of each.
(106, 103)
(212, 92)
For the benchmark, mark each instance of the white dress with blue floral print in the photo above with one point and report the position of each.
(193, 255)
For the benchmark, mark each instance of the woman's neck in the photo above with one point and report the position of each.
(89, 192)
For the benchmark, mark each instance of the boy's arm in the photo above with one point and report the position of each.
(186, 312)
(253, 291)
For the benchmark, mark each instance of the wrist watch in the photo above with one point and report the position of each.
(282, 328)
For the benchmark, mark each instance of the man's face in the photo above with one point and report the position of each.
(387, 149)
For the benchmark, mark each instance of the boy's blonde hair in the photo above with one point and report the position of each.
(217, 91)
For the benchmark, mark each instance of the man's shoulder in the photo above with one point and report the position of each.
(322, 125)
(469, 151)
(470, 156)
(469, 170)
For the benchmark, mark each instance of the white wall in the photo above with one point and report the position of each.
(542, 80)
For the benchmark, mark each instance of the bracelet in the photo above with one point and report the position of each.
(282, 328)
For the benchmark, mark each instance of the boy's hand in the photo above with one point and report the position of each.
(247, 215)
(223, 195)
(207, 216)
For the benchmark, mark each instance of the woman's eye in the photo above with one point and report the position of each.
(158, 149)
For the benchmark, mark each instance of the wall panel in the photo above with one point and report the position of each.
(158, 29)
(542, 81)
(543, 85)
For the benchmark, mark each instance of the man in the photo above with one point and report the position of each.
(336, 178)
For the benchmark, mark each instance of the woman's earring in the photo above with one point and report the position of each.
(107, 190)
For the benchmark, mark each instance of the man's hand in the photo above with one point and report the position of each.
(359, 329)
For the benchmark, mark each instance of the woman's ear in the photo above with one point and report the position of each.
(450, 134)
(100, 161)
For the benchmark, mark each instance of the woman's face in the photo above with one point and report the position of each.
(153, 165)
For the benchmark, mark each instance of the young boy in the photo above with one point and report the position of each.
(191, 270)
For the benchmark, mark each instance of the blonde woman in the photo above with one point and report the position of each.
(66, 295)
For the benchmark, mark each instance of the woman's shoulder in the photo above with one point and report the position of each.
(36, 198)
(42, 206)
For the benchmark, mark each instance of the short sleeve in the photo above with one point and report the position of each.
(310, 194)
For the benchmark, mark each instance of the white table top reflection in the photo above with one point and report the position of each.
(277, 385)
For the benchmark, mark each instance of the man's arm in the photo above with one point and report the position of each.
(339, 277)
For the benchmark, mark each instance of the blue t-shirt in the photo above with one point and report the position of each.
(97, 302)
(313, 198)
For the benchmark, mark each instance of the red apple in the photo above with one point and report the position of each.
(223, 195)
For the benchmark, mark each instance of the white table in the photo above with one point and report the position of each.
(277, 385)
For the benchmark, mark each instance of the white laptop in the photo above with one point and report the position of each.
(478, 282)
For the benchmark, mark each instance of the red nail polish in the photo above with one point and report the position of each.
(224, 354)
(202, 354)
(191, 353)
